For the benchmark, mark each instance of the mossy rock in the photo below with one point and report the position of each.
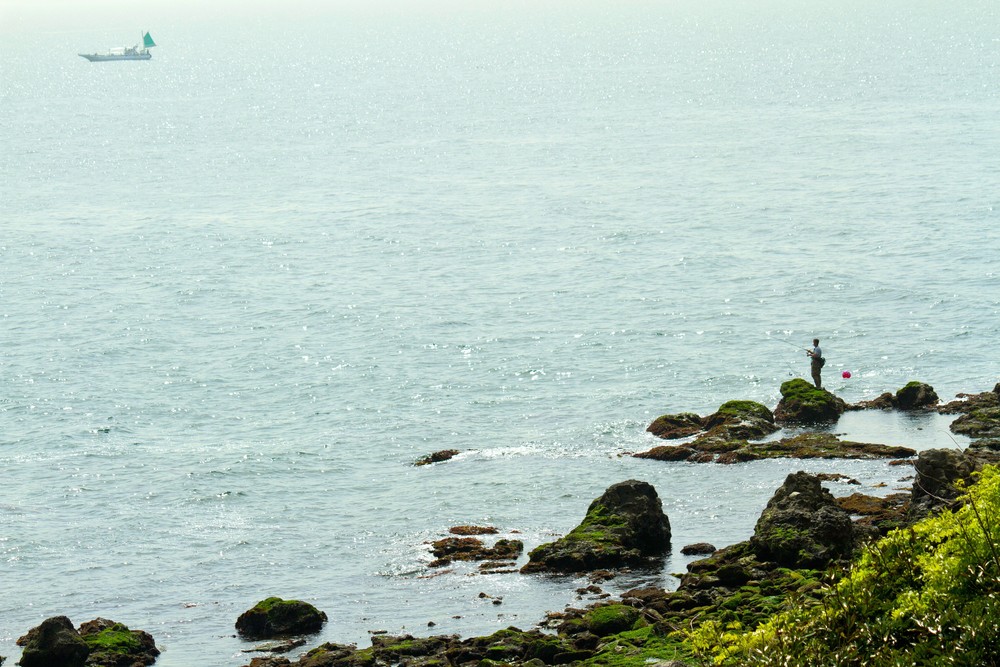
(53, 642)
(966, 403)
(741, 420)
(611, 619)
(710, 449)
(274, 617)
(802, 525)
(803, 403)
(394, 647)
(112, 644)
(333, 654)
(745, 410)
(916, 396)
(451, 549)
(667, 453)
(828, 446)
(981, 423)
(674, 426)
(625, 526)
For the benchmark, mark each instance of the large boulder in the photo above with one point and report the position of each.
(803, 403)
(115, 645)
(802, 525)
(625, 526)
(916, 396)
(274, 617)
(54, 643)
(940, 474)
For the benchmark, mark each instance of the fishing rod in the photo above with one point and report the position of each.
(782, 340)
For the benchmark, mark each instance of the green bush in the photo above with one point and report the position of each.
(924, 595)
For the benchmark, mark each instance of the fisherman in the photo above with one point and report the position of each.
(818, 361)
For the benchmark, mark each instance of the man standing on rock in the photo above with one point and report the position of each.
(818, 361)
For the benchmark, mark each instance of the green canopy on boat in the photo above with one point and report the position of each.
(147, 41)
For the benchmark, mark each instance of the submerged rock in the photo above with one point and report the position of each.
(472, 549)
(667, 453)
(436, 457)
(53, 643)
(274, 617)
(801, 446)
(802, 403)
(802, 525)
(698, 548)
(473, 530)
(625, 526)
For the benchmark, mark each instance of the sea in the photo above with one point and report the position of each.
(246, 284)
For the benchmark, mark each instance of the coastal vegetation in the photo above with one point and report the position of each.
(927, 594)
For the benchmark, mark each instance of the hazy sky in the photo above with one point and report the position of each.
(106, 15)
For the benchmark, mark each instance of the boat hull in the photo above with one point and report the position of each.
(104, 57)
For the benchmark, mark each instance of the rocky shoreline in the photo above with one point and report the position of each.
(803, 538)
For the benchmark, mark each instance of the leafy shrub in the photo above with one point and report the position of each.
(924, 595)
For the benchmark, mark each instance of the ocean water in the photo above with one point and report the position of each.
(246, 284)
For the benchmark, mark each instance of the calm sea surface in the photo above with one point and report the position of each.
(244, 285)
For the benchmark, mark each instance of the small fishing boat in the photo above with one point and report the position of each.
(124, 52)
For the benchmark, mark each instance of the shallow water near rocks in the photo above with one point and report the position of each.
(233, 321)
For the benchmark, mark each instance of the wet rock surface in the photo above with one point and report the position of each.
(274, 617)
(802, 525)
(625, 526)
(802, 403)
(965, 403)
(682, 425)
(436, 457)
(801, 446)
(115, 645)
(452, 549)
(53, 643)
(97, 643)
(916, 396)
(940, 472)
(733, 419)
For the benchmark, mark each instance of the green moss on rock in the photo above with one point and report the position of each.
(916, 395)
(275, 617)
(803, 403)
(744, 410)
(625, 526)
(116, 639)
(611, 619)
(678, 425)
